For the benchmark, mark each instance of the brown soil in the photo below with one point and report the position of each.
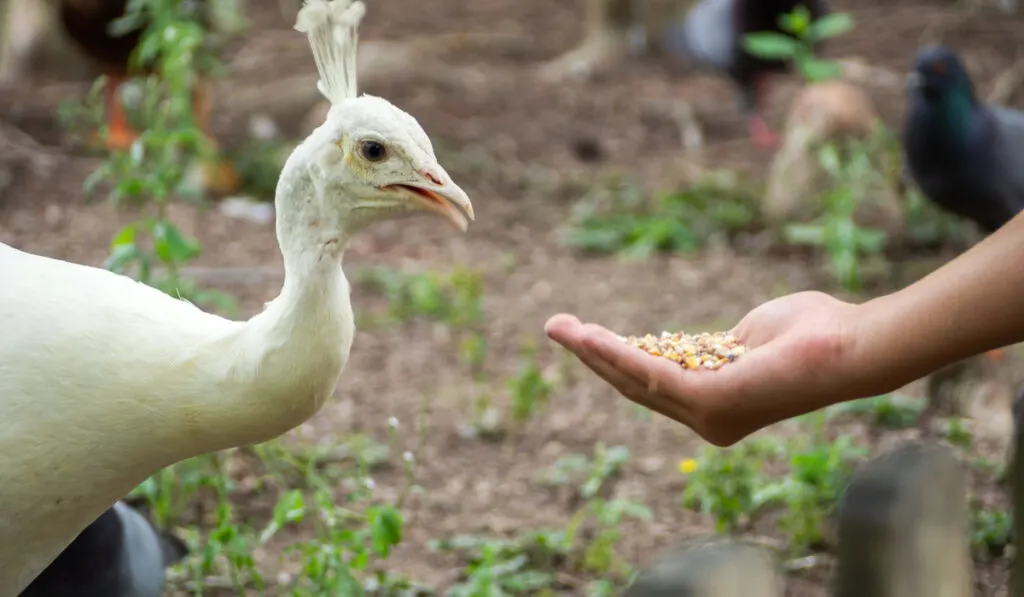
(509, 141)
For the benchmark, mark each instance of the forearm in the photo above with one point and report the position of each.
(970, 305)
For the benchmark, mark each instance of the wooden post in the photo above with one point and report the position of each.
(1016, 483)
(903, 527)
(710, 567)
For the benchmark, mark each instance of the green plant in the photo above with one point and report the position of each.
(530, 389)
(351, 533)
(800, 47)
(727, 483)
(327, 488)
(151, 173)
(896, 411)
(854, 180)
(928, 224)
(818, 471)
(455, 298)
(599, 519)
(347, 540)
(473, 353)
(259, 165)
(957, 433)
(503, 567)
(619, 218)
(599, 553)
(590, 474)
(991, 530)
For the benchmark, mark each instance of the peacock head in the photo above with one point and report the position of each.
(377, 153)
(385, 162)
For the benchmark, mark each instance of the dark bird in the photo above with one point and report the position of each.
(87, 24)
(121, 554)
(712, 35)
(964, 154)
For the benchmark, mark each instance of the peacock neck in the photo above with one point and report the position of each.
(286, 361)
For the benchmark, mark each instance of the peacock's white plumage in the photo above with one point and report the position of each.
(104, 380)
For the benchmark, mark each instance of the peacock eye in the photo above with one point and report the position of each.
(373, 151)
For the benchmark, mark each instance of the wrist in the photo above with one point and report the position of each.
(892, 341)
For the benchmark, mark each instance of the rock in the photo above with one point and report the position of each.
(241, 208)
(824, 112)
(263, 128)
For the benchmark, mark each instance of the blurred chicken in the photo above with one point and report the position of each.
(86, 25)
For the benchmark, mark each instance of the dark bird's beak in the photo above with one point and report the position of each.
(915, 80)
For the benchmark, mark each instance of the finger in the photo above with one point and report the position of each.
(565, 329)
(568, 331)
(641, 389)
(624, 384)
(667, 405)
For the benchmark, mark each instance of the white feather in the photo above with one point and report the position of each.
(333, 31)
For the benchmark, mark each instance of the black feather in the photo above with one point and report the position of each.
(87, 22)
(103, 561)
(964, 154)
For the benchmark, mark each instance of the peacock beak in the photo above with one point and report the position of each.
(444, 198)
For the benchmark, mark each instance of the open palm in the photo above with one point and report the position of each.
(795, 345)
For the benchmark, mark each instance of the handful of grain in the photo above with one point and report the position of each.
(702, 351)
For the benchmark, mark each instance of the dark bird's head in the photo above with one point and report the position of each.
(939, 74)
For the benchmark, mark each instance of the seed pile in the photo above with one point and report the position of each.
(701, 351)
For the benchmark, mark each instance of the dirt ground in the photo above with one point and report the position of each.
(509, 140)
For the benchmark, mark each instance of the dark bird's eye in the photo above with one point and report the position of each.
(373, 151)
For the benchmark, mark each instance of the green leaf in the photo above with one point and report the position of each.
(831, 26)
(819, 70)
(797, 21)
(121, 256)
(126, 24)
(290, 508)
(124, 236)
(805, 234)
(97, 176)
(386, 529)
(771, 45)
(170, 245)
(211, 297)
(870, 240)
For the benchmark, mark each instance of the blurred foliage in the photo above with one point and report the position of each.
(259, 165)
(154, 171)
(800, 47)
(859, 176)
(455, 298)
(620, 218)
(855, 181)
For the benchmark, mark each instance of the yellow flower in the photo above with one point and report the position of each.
(687, 466)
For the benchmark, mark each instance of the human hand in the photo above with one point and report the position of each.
(794, 364)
